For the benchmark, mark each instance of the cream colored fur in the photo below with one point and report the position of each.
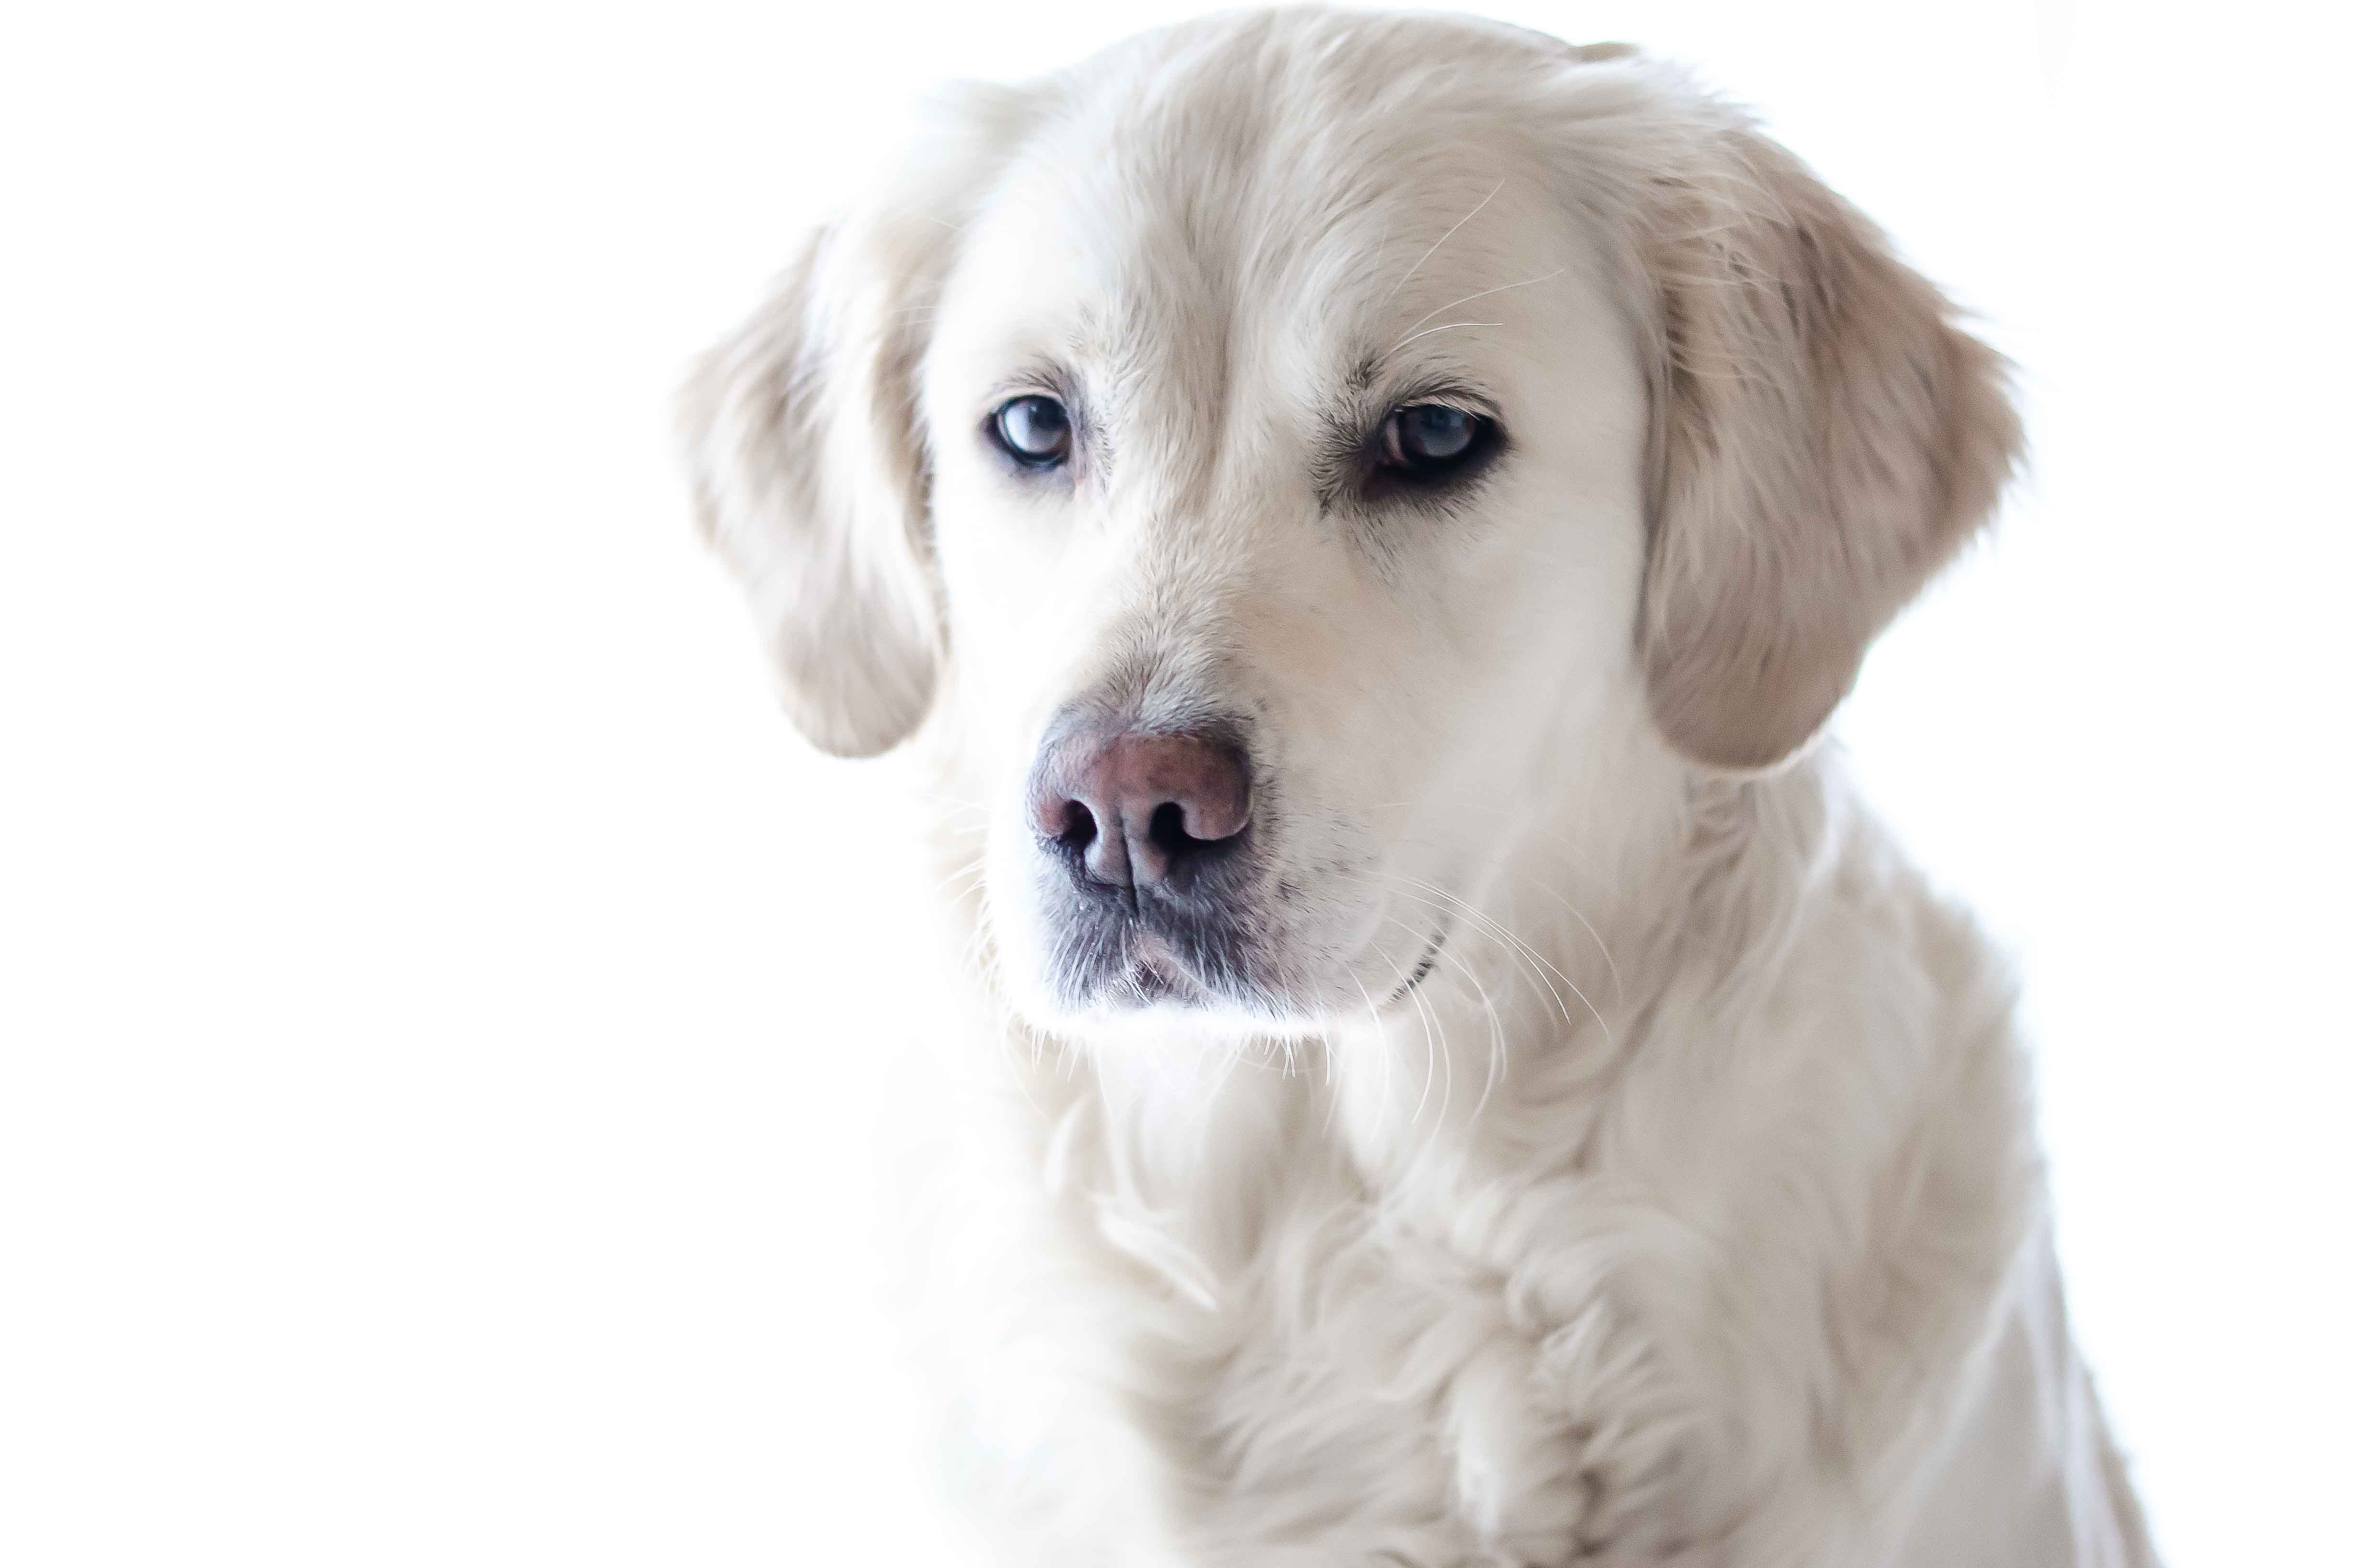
(1687, 1210)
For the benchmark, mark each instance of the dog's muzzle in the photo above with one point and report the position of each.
(1149, 840)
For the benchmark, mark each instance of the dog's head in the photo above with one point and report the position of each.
(1285, 448)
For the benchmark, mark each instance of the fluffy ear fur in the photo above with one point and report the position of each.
(807, 463)
(1829, 439)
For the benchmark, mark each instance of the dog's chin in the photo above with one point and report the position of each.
(1152, 989)
(1074, 970)
(1155, 977)
(1151, 979)
(1130, 981)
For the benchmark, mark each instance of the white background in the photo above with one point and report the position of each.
(443, 1004)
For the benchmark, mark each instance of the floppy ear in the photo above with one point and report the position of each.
(1829, 439)
(803, 441)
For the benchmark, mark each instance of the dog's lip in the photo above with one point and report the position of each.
(1424, 965)
(1157, 974)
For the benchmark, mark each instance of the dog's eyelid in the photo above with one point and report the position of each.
(1458, 395)
(1461, 396)
(1030, 383)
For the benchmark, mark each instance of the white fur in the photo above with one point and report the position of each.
(1689, 1211)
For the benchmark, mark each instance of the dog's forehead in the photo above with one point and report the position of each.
(1316, 213)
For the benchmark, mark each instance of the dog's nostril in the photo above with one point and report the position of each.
(1078, 829)
(1167, 831)
(1172, 853)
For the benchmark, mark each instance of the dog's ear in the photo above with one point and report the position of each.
(803, 437)
(1827, 439)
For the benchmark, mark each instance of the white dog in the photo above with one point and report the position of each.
(1366, 518)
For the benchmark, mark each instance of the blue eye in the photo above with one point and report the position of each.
(1425, 439)
(1033, 430)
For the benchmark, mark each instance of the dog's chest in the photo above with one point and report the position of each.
(1323, 1377)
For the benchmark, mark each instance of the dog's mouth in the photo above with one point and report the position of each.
(1196, 971)
(1134, 962)
(1423, 966)
(1157, 957)
(1155, 975)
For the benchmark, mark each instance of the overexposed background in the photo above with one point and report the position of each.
(423, 1137)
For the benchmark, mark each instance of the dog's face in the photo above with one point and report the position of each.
(1249, 477)
(1290, 448)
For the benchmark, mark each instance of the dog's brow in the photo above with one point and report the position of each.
(1442, 240)
(1467, 299)
(1443, 327)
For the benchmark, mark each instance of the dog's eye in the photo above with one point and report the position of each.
(1427, 440)
(1034, 431)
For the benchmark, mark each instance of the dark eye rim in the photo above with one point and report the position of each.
(1391, 464)
(1036, 462)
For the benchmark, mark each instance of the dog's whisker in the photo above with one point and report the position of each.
(1499, 1048)
(1443, 327)
(1431, 1048)
(1447, 1073)
(1489, 931)
(969, 870)
(1571, 858)
(1442, 240)
(1483, 294)
(1510, 935)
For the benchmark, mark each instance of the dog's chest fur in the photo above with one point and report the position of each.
(1355, 1314)
(1306, 1369)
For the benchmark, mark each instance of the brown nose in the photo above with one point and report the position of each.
(1135, 812)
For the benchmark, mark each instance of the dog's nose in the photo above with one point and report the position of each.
(1137, 812)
